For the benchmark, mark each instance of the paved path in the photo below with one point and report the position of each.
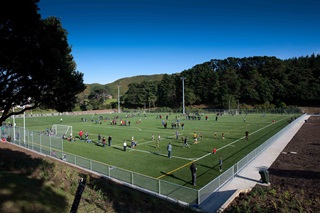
(250, 176)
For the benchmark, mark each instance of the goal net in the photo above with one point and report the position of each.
(61, 130)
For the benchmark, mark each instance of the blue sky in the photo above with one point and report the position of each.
(113, 39)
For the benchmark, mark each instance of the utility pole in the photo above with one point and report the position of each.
(183, 107)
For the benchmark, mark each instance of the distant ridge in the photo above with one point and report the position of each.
(123, 83)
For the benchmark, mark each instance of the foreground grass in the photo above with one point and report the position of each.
(33, 184)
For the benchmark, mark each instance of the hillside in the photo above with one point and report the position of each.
(263, 82)
(123, 83)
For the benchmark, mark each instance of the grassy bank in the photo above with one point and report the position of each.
(30, 183)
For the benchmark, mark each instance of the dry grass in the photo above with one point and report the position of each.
(34, 183)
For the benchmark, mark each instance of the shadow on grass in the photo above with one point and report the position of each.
(126, 199)
(20, 191)
(164, 155)
(183, 182)
(118, 148)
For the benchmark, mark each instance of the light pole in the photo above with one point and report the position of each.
(118, 99)
(24, 122)
(14, 126)
(183, 107)
(24, 127)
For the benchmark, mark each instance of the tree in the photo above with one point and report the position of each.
(228, 83)
(228, 102)
(167, 91)
(140, 94)
(36, 65)
(97, 96)
(190, 97)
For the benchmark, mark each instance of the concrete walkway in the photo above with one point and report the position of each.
(250, 176)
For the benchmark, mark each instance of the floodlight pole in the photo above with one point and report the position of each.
(14, 126)
(24, 126)
(118, 99)
(183, 106)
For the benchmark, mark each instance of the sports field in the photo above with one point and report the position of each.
(148, 159)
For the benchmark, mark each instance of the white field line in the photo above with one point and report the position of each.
(217, 150)
(193, 159)
(237, 140)
(149, 152)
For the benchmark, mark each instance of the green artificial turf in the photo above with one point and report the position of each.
(148, 160)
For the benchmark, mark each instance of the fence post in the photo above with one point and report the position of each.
(50, 150)
(237, 167)
(61, 145)
(39, 140)
(41, 145)
(18, 137)
(132, 182)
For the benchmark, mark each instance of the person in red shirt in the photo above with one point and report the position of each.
(214, 151)
(80, 134)
(104, 142)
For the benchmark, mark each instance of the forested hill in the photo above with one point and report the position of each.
(252, 80)
(112, 88)
(124, 83)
